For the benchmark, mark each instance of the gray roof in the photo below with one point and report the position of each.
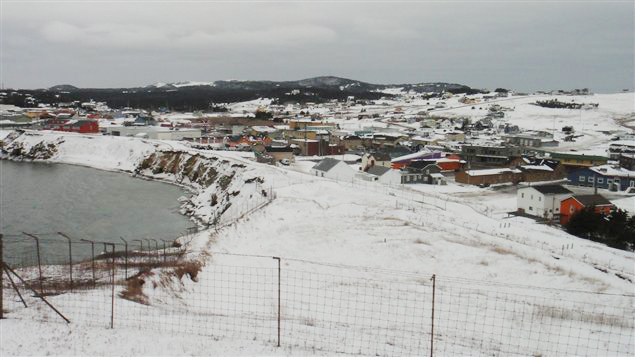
(326, 164)
(380, 156)
(591, 200)
(551, 189)
(378, 170)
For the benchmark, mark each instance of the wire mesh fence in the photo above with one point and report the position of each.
(309, 306)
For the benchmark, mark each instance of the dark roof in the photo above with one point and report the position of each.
(279, 149)
(380, 156)
(378, 170)
(326, 164)
(80, 122)
(562, 155)
(551, 189)
(591, 200)
(419, 164)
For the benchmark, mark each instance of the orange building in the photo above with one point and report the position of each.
(450, 163)
(574, 204)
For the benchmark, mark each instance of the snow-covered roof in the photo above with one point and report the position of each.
(326, 164)
(537, 167)
(263, 129)
(611, 170)
(491, 172)
(412, 156)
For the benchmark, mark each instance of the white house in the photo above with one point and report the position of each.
(334, 169)
(385, 175)
(541, 200)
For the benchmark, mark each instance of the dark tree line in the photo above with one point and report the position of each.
(616, 230)
(182, 99)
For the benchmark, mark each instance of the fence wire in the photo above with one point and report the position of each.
(335, 309)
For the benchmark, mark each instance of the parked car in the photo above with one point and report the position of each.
(285, 162)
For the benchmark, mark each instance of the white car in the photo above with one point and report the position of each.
(285, 162)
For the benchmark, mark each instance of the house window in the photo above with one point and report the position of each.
(522, 195)
(632, 183)
(609, 181)
(600, 180)
(591, 179)
(532, 197)
(539, 198)
(582, 179)
(531, 208)
(571, 209)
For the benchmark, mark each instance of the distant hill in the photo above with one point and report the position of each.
(323, 82)
(194, 95)
(63, 87)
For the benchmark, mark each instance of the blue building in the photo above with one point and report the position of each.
(605, 176)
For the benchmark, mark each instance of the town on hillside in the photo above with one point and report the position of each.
(557, 159)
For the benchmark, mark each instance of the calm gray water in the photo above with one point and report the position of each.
(83, 203)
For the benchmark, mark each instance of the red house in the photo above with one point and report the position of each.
(84, 126)
(574, 204)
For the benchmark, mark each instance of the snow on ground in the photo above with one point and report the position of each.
(250, 106)
(627, 204)
(390, 235)
(59, 339)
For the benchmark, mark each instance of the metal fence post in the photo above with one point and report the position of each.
(39, 263)
(139, 257)
(165, 255)
(434, 280)
(156, 247)
(70, 257)
(92, 248)
(112, 283)
(149, 248)
(125, 257)
(4, 268)
(278, 259)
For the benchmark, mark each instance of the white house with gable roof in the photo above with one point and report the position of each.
(541, 200)
(333, 169)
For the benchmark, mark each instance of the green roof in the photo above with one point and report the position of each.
(561, 155)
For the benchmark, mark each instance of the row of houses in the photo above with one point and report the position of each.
(339, 170)
(555, 202)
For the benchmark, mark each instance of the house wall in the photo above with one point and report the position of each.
(407, 178)
(535, 203)
(542, 175)
(571, 206)
(392, 177)
(530, 201)
(449, 165)
(505, 177)
(627, 162)
(369, 161)
(339, 172)
(589, 178)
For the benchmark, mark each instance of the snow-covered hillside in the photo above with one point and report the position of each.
(387, 235)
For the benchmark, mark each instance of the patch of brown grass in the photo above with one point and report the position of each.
(191, 268)
(134, 290)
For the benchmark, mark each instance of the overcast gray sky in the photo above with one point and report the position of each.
(525, 46)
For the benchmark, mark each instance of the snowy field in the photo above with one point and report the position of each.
(357, 260)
